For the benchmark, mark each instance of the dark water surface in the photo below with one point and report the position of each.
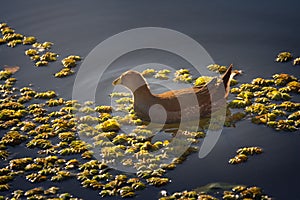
(248, 34)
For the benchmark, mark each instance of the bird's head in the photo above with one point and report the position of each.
(130, 79)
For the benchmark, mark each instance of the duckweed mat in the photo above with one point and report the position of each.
(51, 128)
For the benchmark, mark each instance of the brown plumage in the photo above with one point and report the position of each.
(175, 106)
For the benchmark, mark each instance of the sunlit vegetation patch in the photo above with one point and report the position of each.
(270, 101)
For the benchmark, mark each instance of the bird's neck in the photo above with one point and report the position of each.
(142, 92)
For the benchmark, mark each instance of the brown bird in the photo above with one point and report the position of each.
(175, 106)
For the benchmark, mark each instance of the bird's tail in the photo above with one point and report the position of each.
(227, 77)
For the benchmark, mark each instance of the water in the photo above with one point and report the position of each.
(247, 34)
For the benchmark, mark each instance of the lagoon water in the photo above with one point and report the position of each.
(247, 34)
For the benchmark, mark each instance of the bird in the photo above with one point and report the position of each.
(175, 106)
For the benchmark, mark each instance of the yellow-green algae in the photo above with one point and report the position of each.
(269, 101)
(40, 52)
(41, 128)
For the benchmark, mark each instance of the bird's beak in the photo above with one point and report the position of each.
(117, 82)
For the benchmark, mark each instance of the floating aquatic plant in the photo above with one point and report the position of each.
(217, 68)
(162, 74)
(284, 57)
(109, 125)
(296, 61)
(202, 80)
(243, 153)
(148, 72)
(64, 73)
(28, 40)
(183, 75)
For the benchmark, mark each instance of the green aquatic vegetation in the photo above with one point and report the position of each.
(42, 46)
(87, 155)
(40, 143)
(120, 139)
(3, 25)
(264, 118)
(27, 91)
(33, 166)
(49, 57)
(92, 164)
(183, 75)
(80, 146)
(109, 125)
(51, 190)
(238, 159)
(13, 138)
(229, 192)
(71, 164)
(37, 112)
(61, 175)
(294, 116)
(243, 153)
(36, 177)
(4, 171)
(257, 108)
(4, 187)
(124, 100)
(217, 68)
(286, 125)
(94, 184)
(44, 128)
(126, 192)
(13, 37)
(55, 102)
(41, 63)
(64, 73)
(68, 62)
(4, 154)
(86, 110)
(294, 86)
(296, 61)
(68, 109)
(148, 72)
(5, 74)
(246, 95)
(157, 181)
(35, 57)
(283, 79)
(14, 43)
(262, 82)
(262, 100)
(45, 95)
(2, 41)
(250, 87)
(202, 80)
(276, 95)
(284, 57)
(89, 119)
(31, 52)
(7, 30)
(9, 123)
(119, 94)
(103, 109)
(288, 106)
(42, 120)
(34, 191)
(66, 136)
(28, 40)
(162, 74)
(239, 103)
(5, 179)
(249, 150)
(20, 163)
